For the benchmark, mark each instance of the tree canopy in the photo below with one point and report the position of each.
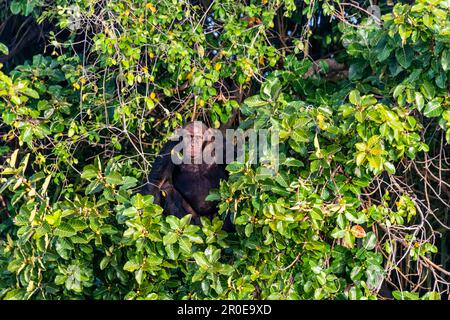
(357, 91)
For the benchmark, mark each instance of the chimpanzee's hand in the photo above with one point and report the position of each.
(174, 203)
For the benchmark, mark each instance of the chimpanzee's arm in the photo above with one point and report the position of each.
(160, 184)
(163, 166)
(161, 173)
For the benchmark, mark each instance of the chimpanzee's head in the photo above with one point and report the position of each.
(196, 130)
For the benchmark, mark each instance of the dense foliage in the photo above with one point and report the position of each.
(357, 210)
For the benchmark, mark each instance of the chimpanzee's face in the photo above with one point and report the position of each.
(196, 145)
(196, 131)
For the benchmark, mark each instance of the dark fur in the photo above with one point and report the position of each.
(182, 189)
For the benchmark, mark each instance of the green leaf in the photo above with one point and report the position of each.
(433, 109)
(131, 266)
(368, 100)
(15, 99)
(356, 273)
(8, 117)
(104, 262)
(130, 212)
(30, 92)
(13, 158)
(405, 295)
(27, 135)
(248, 230)
(428, 20)
(292, 162)
(420, 102)
(15, 7)
(375, 161)
(128, 182)
(255, 101)
(300, 135)
(64, 230)
(360, 157)
(337, 233)
(398, 92)
(4, 49)
(213, 197)
(29, 7)
(139, 276)
(431, 296)
(172, 251)
(370, 241)
(404, 56)
(427, 89)
(78, 224)
(185, 245)
(201, 260)
(114, 178)
(445, 60)
(14, 294)
(89, 172)
(152, 261)
(271, 89)
(93, 187)
(235, 167)
(174, 222)
(170, 238)
(390, 168)
(375, 276)
(355, 97)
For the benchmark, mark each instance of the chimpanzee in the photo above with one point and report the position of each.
(182, 189)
